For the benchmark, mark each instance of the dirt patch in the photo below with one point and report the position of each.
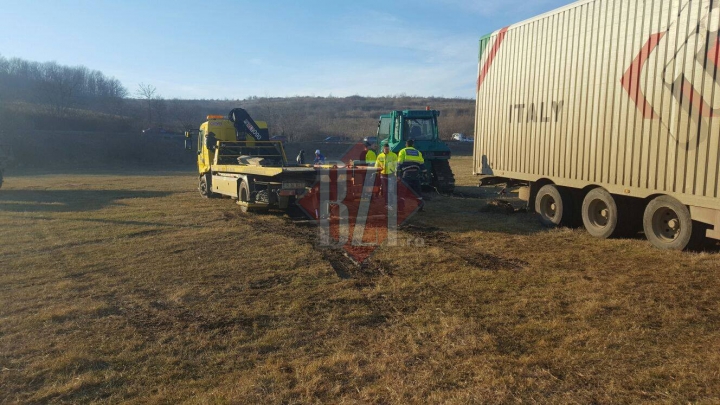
(340, 261)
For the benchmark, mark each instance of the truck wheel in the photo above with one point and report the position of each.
(669, 226)
(554, 207)
(204, 186)
(600, 214)
(244, 196)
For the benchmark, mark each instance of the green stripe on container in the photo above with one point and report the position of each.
(483, 44)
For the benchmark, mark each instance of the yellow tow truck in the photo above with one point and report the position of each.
(236, 159)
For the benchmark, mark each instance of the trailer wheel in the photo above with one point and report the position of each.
(600, 214)
(554, 206)
(669, 226)
(244, 195)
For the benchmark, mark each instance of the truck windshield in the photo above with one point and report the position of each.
(420, 129)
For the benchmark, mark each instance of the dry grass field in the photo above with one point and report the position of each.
(132, 288)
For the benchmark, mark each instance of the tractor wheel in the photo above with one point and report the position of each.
(443, 178)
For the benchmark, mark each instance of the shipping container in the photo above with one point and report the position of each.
(609, 112)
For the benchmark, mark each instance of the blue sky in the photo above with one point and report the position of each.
(235, 49)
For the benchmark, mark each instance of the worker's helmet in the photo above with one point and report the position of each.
(317, 152)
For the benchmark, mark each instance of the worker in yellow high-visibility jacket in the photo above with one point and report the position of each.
(387, 163)
(369, 154)
(410, 154)
(387, 160)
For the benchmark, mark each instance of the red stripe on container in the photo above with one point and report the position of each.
(714, 52)
(491, 57)
(631, 79)
(696, 100)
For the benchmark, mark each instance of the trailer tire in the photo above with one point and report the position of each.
(668, 225)
(600, 214)
(554, 206)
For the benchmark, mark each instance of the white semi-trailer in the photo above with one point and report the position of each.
(609, 110)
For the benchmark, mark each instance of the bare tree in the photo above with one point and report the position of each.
(148, 92)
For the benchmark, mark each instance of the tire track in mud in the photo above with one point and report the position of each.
(341, 262)
(348, 268)
(435, 237)
(306, 231)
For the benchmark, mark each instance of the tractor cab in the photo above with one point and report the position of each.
(421, 126)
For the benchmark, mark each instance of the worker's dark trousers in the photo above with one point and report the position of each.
(384, 181)
(416, 186)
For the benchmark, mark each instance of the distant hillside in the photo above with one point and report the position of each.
(51, 97)
(312, 118)
(298, 118)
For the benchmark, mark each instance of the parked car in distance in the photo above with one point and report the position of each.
(280, 138)
(370, 139)
(461, 137)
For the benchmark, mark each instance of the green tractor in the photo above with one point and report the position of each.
(420, 125)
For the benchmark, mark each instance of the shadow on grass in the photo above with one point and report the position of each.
(471, 221)
(489, 192)
(477, 209)
(67, 200)
(123, 222)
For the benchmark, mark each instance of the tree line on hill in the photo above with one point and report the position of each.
(59, 87)
(49, 96)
